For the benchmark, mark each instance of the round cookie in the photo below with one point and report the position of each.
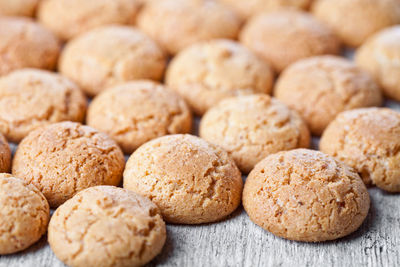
(65, 158)
(136, 112)
(305, 195)
(5, 155)
(285, 36)
(190, 180)
(18, 7)
(355, 20)
(181, 23)
(380, 55)
(367, 140)
(107, 226)
(252, 127)
(24, 214)
(31, 98)
(26, 44)
(111, 55)
(208, 72)
(321, 87)
(69, 18)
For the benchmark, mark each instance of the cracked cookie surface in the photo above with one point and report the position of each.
(65, 158)
(136, 112)
(191, 180)
(24, 214)
(250, 128)
(30, 99)
(107, 226)
(305, 195)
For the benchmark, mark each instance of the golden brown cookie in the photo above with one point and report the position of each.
(18, 7)
(5, 155)
(107, 226)
(65, 158)
(321, 87)
(380, 55)
(285, 36)
(252, 127)
(69, 18)
(136, 112)
(26, 44)
(181, 23)
(111, 55)
(208, 72)
(191, 180)
(31, 98)
(355, 20)
(368, 140)
(305, 195)
(24, 214)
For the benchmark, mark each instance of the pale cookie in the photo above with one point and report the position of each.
(305, 195)
(250, 128)
(321, 87)
(368, 140)
(208, 72)
(107, 226)
(191, 180)
(355, 20)
(64, 158)
(18, 7)
(380, 55)
(69, 18)
(136, 112)
(31, 98)
(111, 55)
(26, 44)
(180, 23)
(285, 36)
(24, 214)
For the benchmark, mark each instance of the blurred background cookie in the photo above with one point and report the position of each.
(18, 7)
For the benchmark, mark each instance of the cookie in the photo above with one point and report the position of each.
(69, 18)
(18, 7)
(26, 44)
(111, 55)
(367, 140)
(208, 72)
(252, 127)
(380, 56)
(189, 179)
(321, 87)
(181, 23)
(305, 195)
(30, 99)
(355, 20)
(24, 214)
(285, 36)
(5, 155)
(136, 112)
(65, 158)
(106, 226)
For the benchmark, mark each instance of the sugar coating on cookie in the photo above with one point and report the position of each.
(250, 128)
(65, 158)
(380, 55)
(69, 18)
(110, 55)
(190, 180)
(368, 140)
(26, 44)
(136, 112)
(208, 72)
(321, 87)
(305, 195)
(5, 155)
(107, 226)
(24, 214)
(285, 36)
(18, 7)
(31, 98)
(181, 23)
(355, 20)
